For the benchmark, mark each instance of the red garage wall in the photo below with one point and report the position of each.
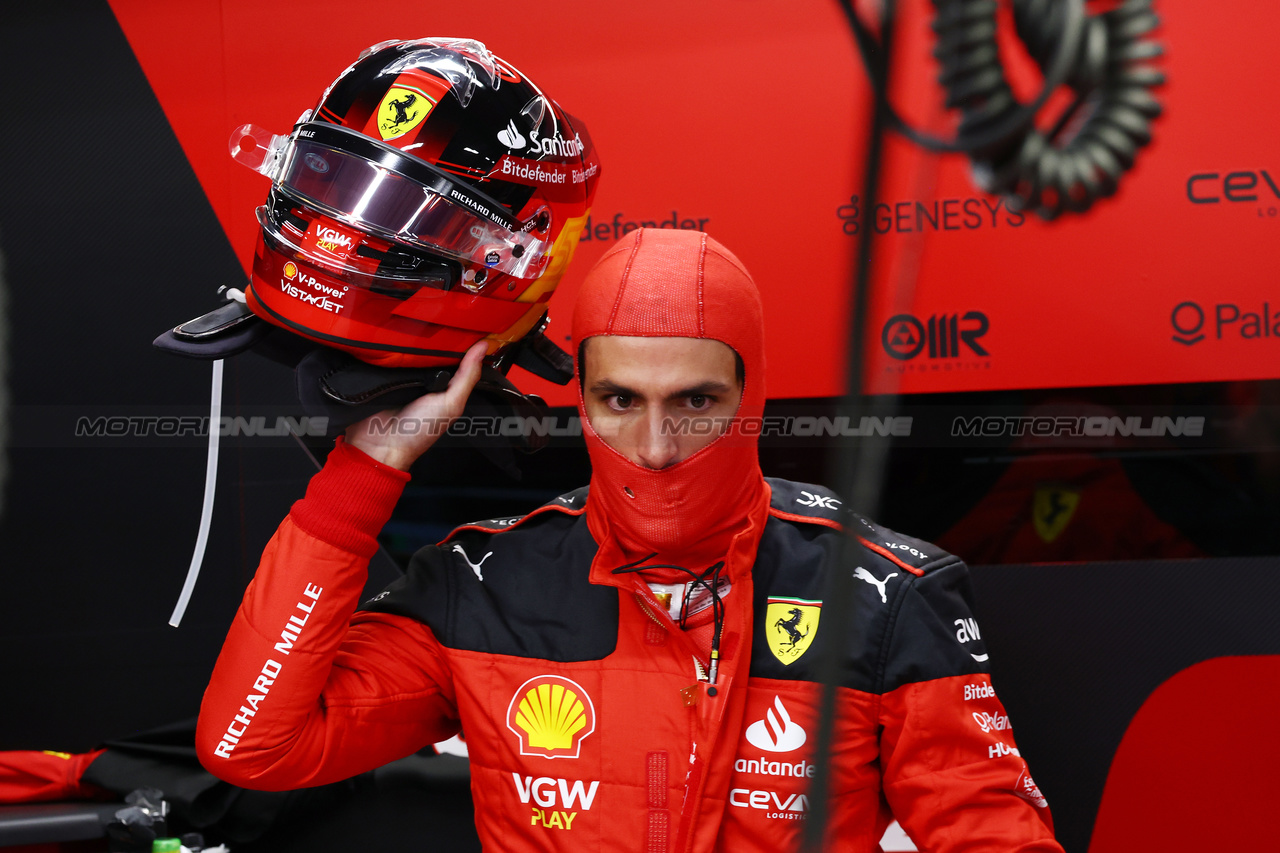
(747, 119)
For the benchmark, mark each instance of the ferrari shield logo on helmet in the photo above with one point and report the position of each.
(791, 624)
(551, 716)
(1051, 510)
(403, 108)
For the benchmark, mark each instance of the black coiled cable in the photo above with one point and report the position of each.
(1111, 73)
(1108, 60)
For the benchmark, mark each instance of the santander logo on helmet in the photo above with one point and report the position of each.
(510, 136)
(776, 732)
(555, 145)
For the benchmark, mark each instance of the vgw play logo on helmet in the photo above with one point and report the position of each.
(329, 241)
(403, 108)
(792, 623)
(551, 716)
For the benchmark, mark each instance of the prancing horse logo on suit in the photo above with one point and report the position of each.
(792, 622)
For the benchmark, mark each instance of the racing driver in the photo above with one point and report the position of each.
(633, 662)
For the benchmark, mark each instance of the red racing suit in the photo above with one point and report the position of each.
(589, 723)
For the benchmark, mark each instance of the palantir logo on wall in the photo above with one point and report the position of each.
(1189, 320)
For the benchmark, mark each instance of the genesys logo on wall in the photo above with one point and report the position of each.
(1193, 323)
(947, 341)
(936, 214)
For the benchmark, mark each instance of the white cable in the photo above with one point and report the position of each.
(206, 511)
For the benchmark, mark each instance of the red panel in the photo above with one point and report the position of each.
(1196, 769)
(748, 120)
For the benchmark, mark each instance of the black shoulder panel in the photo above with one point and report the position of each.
(803, 499)
(521, 591)
(572, 502)
(934, 632)
(915, 554)
(910, 617)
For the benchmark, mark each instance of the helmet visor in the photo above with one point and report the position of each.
(378, 188)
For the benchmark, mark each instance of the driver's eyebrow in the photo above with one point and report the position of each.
(608, 386)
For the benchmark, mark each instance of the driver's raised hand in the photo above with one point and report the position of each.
(385, 437)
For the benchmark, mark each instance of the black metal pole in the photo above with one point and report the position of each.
(859, 466)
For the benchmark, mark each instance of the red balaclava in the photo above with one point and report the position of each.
(669, 283)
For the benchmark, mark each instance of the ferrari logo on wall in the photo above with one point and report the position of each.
(1051, 510)
(402, 109)
(791, 624)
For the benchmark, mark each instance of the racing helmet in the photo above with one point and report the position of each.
(433, 198)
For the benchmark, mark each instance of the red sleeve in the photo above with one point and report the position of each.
(28, 776)
(953, 774)
(304, 694)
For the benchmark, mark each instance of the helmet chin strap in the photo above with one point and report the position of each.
(206, 511)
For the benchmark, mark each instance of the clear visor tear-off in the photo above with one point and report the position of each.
(313, 166)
